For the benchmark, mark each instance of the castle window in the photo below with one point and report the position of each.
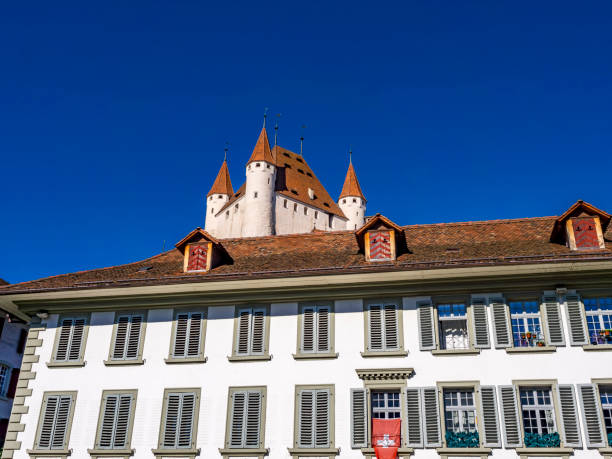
(285, 203)
(344, 201)
(236, 208)
(295, 207)
(255, 194)
(300, 171)
(305, 210)
(212, 211)
(287, 155)
(308, 174)
(227, 214)
(210, 198)
(219, 196)
(299, 159)
(268, 167)
(316, 214)
(268, 180)
(257, 165)
(354, 200)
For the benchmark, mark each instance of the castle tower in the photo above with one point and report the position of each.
(352, 202)
(217, 197)
(259, 191)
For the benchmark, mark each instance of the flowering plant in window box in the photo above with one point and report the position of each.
(610, 439)
(462, 439)
(540, 343)
(534, 440)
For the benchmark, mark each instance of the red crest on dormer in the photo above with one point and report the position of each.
(378, 238)
(581, 227)
(201, 251)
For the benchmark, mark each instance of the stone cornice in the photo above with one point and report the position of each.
(384, 374)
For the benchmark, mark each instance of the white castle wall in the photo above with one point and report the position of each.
(214, 203)
(354, 208)
(569, 365)
(292, 220)
(259, 199)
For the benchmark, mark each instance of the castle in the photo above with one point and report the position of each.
(281, 195)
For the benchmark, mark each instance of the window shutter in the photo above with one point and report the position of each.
(108, 421)
(305, 419)
(431, 415)
(591, 413)
(185, 436)
(115, 421)
(569, 416)
(391, 327)
(259, 332)
(244, 323)
(323, 325)
(61, 423)
(481, 327)
(308, 330)
(47, 424)
(123, 421)
(427, 334)
(490, 423)
(12, 388)
(76, 342)
(133, 344)
(195, 334)
(63, 342)
(501, 329)
(359, 418)
(575, 317)
(237, 423)
(553, 321)
(322, 417)
(376, 323)
(171, 421)
(180, 340)
(414, 433)
(510, 417)
(253, 420)
(54, 425)
(121, 337)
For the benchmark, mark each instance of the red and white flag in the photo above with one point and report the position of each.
(386, 437)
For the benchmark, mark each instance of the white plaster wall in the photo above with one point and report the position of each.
(259, 211)
(215, 204)
(354, 211)
(10, 357)
(495, 367)
(289, 221)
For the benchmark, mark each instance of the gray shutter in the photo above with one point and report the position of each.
(501, 328)
(48, 422)
(243, 332)
(510, 417)
(61, 423)
(414, 431)
(54, 425)
(133, 342)
(185, 430)
(121, 337)
(171, 421)
(306, 419)
(323, 325)
(480, 324)
(180, 338)
(321, 418)
(237, 420)
(108, 421)
(63, 342)
(591, 413)
(431, 415)
(259, 331)
(253, 420)
(391, 327)
(553, 321)
(195, 334)
(427, 334)
(359, 418)
(122, 424)
(76, 343)
(490, 423)
(376, 325)
(308, 329)
(569, 416)
(576, 321)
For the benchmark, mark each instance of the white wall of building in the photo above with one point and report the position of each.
(569, 365)
(354, 208)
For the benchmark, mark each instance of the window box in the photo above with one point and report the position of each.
(462, 439)
(535, 440)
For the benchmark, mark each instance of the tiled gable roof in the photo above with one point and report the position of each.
(434, 246)
(223, 184)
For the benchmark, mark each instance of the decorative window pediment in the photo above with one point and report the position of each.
(582, 227)
(378, 238)
(201, 251)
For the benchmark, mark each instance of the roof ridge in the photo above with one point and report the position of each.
(481, 222)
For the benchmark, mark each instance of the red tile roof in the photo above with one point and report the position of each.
(223, 184)
(351, 184)
(434, 246)
(262, 151)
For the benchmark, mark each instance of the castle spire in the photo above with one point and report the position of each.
(223, 184)
(262, 151)
(351, 184)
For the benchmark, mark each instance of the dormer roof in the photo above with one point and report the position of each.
(379, 223)
(197, 235)
(222, 184)
(262, 151)
(351, 184)
(578, 209)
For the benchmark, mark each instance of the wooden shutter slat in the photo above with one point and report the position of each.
(431, 415)
(133, 344)
(63, 342)
(123, 421)
(108, 421)
(76, 341)
(427, 335)
(376, 339)
(308, 330)
(186, 420)
(391, 327)
(61, 422)
(253, 419)
(258, 335)
(591, 413)
(321, 418)
(510, 416)
(46, 427)
(414, 429)
(359, 418)
(243, 334)
(323, 315)
(488, 405)
(195, 334)
(481, 325)
(306, 419)
(576, 321)
(180, 340)
(569, 416)
(501, 327)
(121, 337)
(553, 321)
(237, 422)
(171, 420)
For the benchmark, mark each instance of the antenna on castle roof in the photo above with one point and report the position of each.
(265, 116)
(302, 140)
(227, 148)
(350, 154)
(278, 115)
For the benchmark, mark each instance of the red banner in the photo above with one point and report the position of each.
(386, 437)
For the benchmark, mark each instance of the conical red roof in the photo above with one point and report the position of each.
(351, 184)
(223, 184)
(262, 151)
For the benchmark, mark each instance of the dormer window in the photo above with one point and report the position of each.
(585, 232)
(201, 251)
(378, 239)
(380, 245)
(581, 227)
(197, 257)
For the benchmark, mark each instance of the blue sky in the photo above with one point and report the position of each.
(114, 115)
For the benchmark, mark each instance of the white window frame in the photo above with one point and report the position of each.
(598, 313)
(452, 318)
(524, 318)
(538, 407)
(462, 410)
